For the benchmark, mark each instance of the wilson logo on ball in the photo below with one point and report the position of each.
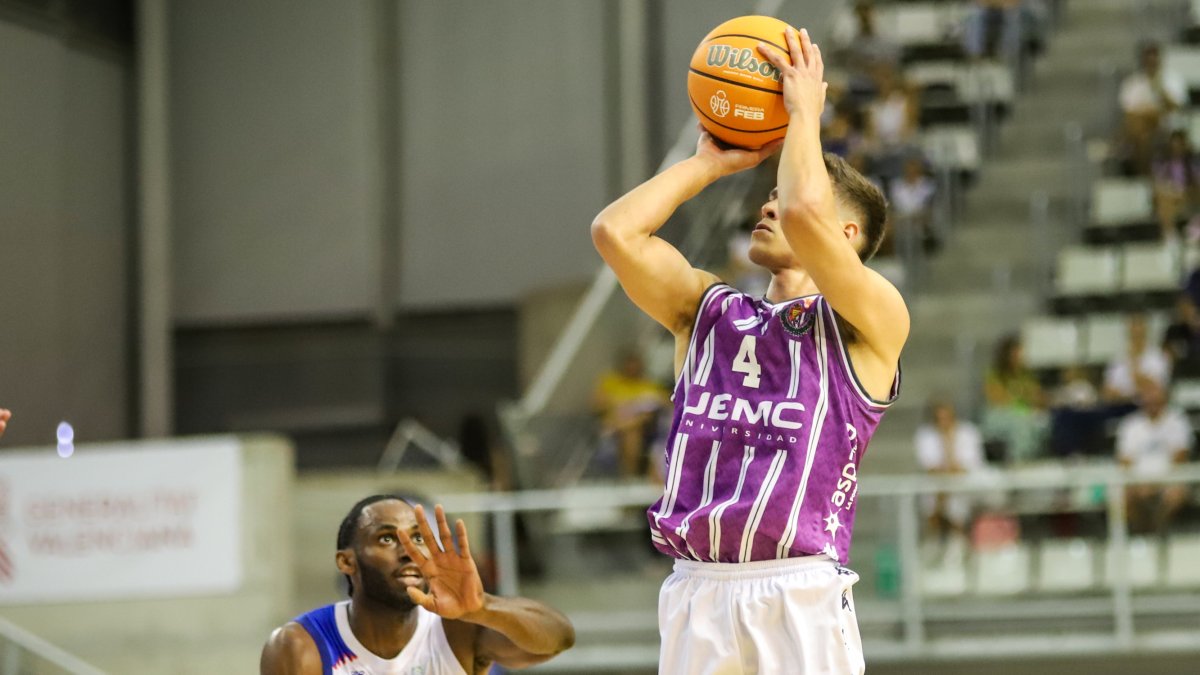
(724, 56)
(719, 104)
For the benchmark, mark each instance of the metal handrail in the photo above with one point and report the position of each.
(44, 650)
(411, 433)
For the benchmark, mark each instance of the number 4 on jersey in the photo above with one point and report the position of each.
(746, 362)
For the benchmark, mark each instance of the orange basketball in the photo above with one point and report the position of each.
(736, 92)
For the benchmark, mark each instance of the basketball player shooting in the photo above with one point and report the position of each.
(776, 398)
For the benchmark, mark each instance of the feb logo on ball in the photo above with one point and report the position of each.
(719, 103)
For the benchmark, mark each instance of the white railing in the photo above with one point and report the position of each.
(910, 615)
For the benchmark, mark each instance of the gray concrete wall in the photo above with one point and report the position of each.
(64, 223)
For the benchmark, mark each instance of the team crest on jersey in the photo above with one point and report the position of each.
(796, 319)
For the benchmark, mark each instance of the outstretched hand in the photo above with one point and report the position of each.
(455, 588)
(803, 76)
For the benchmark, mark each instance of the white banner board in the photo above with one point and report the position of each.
(118, 521)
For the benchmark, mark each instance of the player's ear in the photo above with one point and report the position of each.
(347, 563)
(851, 230)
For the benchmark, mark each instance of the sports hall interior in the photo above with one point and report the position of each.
(346, 244)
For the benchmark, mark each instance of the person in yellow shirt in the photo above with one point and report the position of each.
(629, 404)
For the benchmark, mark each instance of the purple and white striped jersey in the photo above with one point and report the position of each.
(770, 426)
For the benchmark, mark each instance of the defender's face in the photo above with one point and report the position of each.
(385, 572)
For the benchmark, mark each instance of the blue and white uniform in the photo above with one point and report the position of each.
(427, 652)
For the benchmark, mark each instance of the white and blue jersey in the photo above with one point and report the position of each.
(427, 652)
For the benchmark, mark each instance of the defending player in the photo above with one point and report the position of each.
(413, 607)
(775, 401)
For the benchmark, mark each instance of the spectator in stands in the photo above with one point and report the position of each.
(948, 446)
(1181, 342)
(1013, 411)
(1148, 96)
(843, 135)
(891, 124)
(1176, 175)
(5, 416)
(1142, 359)
(911, 200)
(1149, 443)
(1077, 420)
(861, 47)
(629, 404)
(992, 29)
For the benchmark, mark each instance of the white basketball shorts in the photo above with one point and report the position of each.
(772, 617)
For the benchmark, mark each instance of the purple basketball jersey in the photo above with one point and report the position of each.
(770, 426)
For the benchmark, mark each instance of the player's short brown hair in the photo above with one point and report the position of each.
(853, 189)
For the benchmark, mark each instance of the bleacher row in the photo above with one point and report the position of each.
(1124, 268)
(1068, 566)
(954, 91)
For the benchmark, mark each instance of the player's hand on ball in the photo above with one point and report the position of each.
(804, 77)
(455, 588)
(730, 160)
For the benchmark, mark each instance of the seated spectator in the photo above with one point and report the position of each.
(1148, 96)
(891, 124)
(1013, 411)
(911, 200)
(843, 135)
(1176, 184)
(945, 446)
(1142, 359)
(1149, 443)
(1077, 420)
(992, 29)
(1181, 342)
(629, 404)
(860, 45)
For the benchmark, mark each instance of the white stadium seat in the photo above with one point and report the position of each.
(1183, 560)
(1066, 566)
(1119, 201)
(1104, 337)
(1087, 271)
(1185, 393)
(915, 23)
(1050, 342)
(1004, 571)
(1143, 560)
(953, 147)
(991, 82)
(1150, 267)
(1183, 60)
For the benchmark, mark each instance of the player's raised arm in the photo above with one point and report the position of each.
(819, 229)
(655, 275)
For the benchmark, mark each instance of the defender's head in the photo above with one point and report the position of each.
(861, 207)
(370, 553)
